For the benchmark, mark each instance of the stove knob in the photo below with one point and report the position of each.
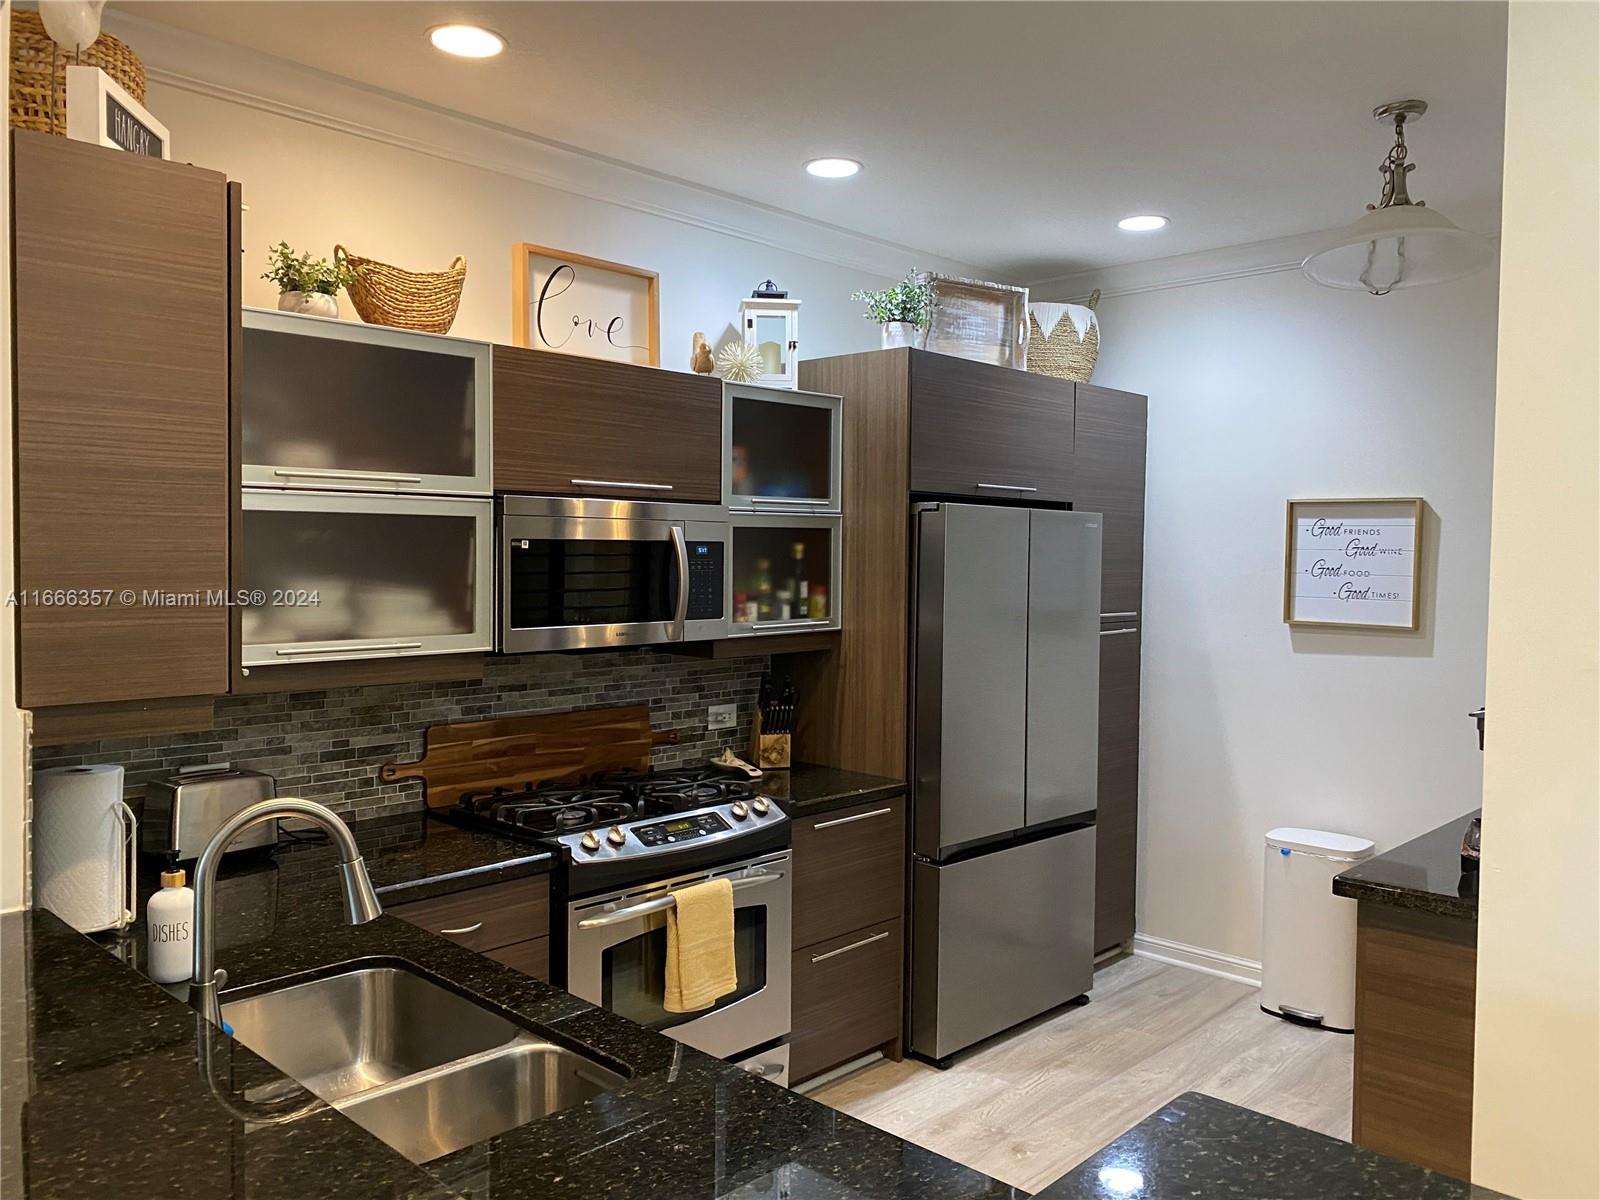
(589, 842)
(740, 810)
(762, 808)
(615, 835)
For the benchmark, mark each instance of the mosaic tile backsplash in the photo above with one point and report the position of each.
(328, 745)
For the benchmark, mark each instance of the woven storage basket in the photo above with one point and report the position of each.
(39, 72)
(1064, 355)
(422, 300)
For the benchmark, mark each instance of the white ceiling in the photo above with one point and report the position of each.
(1010, 135)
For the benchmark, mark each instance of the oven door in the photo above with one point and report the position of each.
(616, 957)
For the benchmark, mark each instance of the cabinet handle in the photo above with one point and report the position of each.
(372, 649)
(622, 483)
(324, 473)
(1006, 487)
(1115, 632)
(877, 812)
(463, 929)
(867, 941)
(1127, 616)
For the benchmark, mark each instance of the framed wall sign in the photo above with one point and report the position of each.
(100, 111)
(575, 304)
(1353, 563)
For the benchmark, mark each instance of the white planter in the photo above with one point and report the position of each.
(318, 304)
(900, 333)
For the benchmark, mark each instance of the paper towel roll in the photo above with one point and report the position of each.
(82, 847)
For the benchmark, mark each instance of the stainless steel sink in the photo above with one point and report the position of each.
(423, 1068)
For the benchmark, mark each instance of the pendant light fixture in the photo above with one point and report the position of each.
(1400, 243)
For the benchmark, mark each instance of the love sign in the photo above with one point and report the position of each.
(1353, 563)
(574, 304)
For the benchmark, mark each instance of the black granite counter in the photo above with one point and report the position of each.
(805, 791)
(1198, 1146)
(1423, 874)
(104, 1097)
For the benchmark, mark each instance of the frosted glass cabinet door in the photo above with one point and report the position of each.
(781, 450)
(333, 404)
(345, 576)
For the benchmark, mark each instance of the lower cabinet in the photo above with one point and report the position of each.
(508, 922)
(848, 965)
(1117, 841)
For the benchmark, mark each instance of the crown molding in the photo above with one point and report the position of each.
(205, 66)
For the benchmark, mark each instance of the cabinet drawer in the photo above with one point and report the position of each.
(846, 998)
(531, 957)
(980, 430)
(488, 917)
(567, 426)
(849, 867)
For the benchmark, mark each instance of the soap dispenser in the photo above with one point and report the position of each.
(169, 923)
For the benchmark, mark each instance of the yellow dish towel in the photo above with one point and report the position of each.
(700, 966)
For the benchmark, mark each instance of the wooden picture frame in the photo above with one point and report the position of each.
(100, 111)
(1355, 535)
(590, 316)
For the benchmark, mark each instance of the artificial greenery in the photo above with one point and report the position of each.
(301, 273)
(907, 301)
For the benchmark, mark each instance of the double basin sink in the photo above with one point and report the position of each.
(423, 1068)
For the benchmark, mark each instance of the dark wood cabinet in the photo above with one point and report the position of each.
(846, 999)
(849, 869)
(1110, 457)
(1117, 833)
(985, 431)
(569, 426)
(123, 333)
(508, 922)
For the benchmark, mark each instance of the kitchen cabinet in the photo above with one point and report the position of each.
(764, 568)
(1109, 442)
(122, 432)
(1117, 823)
(849, 897)
(990, 432)
(569, 426)
(508, 922)
(780, 450)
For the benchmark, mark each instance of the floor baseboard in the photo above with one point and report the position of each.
(1198, 958)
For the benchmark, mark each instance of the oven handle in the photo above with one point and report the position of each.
(662, 903)
(680, 616)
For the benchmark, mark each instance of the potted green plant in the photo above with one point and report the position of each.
(901, 310)
(306, 284)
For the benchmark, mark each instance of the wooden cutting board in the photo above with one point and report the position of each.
(512, 751)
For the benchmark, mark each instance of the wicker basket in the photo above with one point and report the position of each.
(1064, 355)
(422, 300)
(39, 72)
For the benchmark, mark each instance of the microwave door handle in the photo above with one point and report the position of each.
(680, 613)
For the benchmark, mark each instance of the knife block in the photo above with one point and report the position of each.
(769, 751)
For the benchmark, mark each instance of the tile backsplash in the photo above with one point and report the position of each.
(328, 745)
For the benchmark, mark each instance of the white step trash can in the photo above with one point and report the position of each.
(1308, 935)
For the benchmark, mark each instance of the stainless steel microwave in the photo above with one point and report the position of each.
(584, 574)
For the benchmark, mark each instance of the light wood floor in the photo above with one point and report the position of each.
(1030, 1106)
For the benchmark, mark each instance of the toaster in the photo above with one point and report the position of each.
(182, 812)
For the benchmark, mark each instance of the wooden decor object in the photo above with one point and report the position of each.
(512, 751)
(770, 751)
(1352, 564)
(423, 300)
(575, 304)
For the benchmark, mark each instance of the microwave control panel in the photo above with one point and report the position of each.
(705, 581)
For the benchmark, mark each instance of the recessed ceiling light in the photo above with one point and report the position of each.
(466, 41)
(1141, 223)
(833, 168)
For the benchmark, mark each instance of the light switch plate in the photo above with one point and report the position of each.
(722, 716)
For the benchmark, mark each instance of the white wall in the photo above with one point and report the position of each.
(1263, 388)
(1536, 1094)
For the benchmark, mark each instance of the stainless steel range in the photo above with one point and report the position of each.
(627, 841)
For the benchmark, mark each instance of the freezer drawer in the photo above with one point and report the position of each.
(999, 938)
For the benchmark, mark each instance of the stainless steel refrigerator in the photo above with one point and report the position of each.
(1005, 732)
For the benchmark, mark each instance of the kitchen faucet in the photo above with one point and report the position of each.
(360, 901)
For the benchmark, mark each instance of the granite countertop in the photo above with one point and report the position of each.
(1423, 874)
(1198, 1146)
(805, 790)
(102, 1094)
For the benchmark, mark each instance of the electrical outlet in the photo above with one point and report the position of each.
(722, 716)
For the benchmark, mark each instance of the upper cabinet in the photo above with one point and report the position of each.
(122, 424)
(990, 432)
(569, 426)
(1110, 465)
(780, 450)
(336, 404)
